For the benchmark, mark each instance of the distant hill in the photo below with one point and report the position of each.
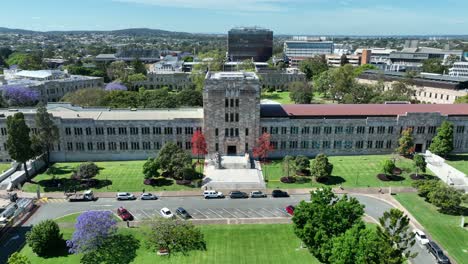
(128, 31)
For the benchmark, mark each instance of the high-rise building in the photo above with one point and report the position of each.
(250, 43)
(299, 49)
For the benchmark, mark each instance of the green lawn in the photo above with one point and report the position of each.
(460, 162)
(114, 176)
(349, 171)
(225, 244)
(71, 218)
(4, 167)
(444, 229)
(280, 97)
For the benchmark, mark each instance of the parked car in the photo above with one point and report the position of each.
(437, 252)
(212, 194)
(238, 195)
(257, 194)
(183, 213)
(290, 209)
(124, 214)
(420, 237)
(166, 213)
(148, 196)
(279, 193)
(125, 196)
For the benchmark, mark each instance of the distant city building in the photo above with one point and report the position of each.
(301, 48)
(272, 79)
(130, 54)
(172, 80)
(51, 84)
(250, 43)
(428, 88)
(378, 56)
(413, 58)
(459, 69)
(334, 60)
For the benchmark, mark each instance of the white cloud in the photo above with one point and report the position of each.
(225, 5)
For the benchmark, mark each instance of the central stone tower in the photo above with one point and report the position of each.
(231, 112)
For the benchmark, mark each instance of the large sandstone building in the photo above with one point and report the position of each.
(233, 118)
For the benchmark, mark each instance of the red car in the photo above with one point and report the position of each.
(124, 214)
(290, 209)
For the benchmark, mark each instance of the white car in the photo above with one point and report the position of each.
(420, 236)
(212, 194)
(125, 196)
(166, 213)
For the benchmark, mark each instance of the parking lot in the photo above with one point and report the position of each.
(216, 213)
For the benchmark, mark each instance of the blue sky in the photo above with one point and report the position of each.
(315, 17)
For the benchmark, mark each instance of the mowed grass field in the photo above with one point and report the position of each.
(4, 167)
(460, 162)
(444, 229)
(283, 98)
(114, 176)
(349, 171)
(226, 244)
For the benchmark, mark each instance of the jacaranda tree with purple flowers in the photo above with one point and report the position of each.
(116, 86)
(17, 95)
(92, 228)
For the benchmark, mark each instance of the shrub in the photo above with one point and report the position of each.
(321, 167)
(189, 174)
(302, 179)
(388, 166)
(425, 187)
(45, 238)
(448, 199)
(383, 177)
(287, 179)
(183, 182)
(302, 164)
(18, 258)
(86, 171)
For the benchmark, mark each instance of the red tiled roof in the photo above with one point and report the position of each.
(361, 109)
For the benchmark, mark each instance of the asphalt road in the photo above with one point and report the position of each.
(201, 209)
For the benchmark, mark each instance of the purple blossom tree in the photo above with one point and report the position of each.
(116, 86)
(91, 230)
(17, 95)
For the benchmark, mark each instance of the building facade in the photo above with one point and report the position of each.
(233, 118)
(52, 85)
(428, 88)
(250, 44)
(297, 50)
(459, 69)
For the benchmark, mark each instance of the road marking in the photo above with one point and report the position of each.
(253, 213)
(149, 216)
(99, 205)
(282, 210)
(241, 212)
(229, 213)
(220, 216)
(198, 212)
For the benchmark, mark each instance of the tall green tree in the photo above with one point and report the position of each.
(320, 167)
(18, 140)
(151, 168)
(419, 163)
(173, 160)
(289, 165)
(45, 238)
(359, 245)
(48, 132)
(442, 143)
(434, 66)
(326, 216)
(447, 198)
(138, 67)
(343, 82)
(116, 249)
(406, 143)
(394, 229)
(313, 66)
(300, 92)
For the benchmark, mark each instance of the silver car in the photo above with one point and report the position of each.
(125, 196)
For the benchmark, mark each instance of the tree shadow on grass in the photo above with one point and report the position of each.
(71, 185)
(333, 180)
(60, 251)
(457, 158)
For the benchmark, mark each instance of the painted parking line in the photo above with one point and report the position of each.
(283, 211)
(209, 214)
(265, 212)
(253, 213)
(148, 216)
(215, 213)
(196, 214)
(230, 214)
(237, 213)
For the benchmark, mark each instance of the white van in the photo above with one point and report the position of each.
(212, 194)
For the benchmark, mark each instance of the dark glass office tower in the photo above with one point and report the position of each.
(250, 43)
